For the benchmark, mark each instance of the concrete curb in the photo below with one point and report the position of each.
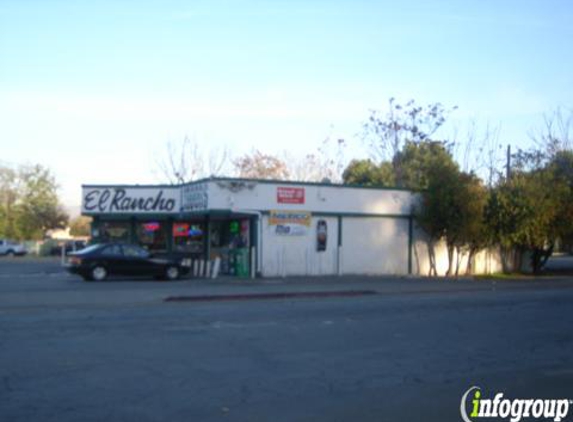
(277, 295)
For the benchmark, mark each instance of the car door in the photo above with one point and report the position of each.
(113, 259)
(137, 261)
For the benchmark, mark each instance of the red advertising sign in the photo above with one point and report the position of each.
(290, 195)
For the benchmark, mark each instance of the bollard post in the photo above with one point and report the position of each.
(195, 267)
(253, 262)
(216, 267)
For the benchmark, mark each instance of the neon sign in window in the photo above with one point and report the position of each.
(151, 227)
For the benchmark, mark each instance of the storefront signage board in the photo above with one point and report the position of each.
(287, 195)
(112, 200)
(290, 223)
(194, 197)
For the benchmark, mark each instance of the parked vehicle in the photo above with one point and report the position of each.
(69, 245)
(98, 261)
(9, 247)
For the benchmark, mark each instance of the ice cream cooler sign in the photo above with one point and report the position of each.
(290, 223)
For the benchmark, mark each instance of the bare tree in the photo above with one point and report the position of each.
(186, 161)
(387, 133)
(326, 164)
(259, 165)
(479, 152)
(557, 132)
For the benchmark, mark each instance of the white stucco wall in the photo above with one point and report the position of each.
(374, 245)
(297, 255)
(485, 262)
(317, 198)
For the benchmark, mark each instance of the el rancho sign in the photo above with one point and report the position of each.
(107, 200)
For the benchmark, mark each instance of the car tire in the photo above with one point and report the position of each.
(172, 272)
(98, 273)
(10, 253)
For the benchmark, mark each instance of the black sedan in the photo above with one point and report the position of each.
(98, 261)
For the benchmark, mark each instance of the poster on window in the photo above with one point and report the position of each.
(321, 235)
(290, 223)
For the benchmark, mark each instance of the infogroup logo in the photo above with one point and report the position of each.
(474, 406)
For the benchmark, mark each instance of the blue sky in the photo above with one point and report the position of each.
(95, 89)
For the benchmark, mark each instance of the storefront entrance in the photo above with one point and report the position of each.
(230, 240)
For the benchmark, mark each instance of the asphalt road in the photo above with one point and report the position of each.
(115, 351)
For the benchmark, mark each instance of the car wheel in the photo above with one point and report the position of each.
(10, 253)
(98, 273)
(172, 272)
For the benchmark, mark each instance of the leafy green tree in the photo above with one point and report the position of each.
(466, 230)
(475, 235)
(524, 215)
(452, 202)
(561, 166)
(436, 210)
(80, 226)
(38, 205)
(9, 210)
(367, 173)
(419, 159)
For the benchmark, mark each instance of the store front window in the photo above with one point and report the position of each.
(114, 231)
(189, 237)
(152, 235)
(230, 242)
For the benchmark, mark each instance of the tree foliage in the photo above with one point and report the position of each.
(29, 203)
(367, 173)
(9, 211)
(80, 226)
(389, 133)
(533, 208)
(420, 160)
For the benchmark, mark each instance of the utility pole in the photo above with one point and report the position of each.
(508, 163)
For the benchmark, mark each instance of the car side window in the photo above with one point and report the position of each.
(113, 251)
(134, 252)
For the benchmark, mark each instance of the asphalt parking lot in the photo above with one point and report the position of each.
(117, 351)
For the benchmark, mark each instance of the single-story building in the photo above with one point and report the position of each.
(269, 228)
